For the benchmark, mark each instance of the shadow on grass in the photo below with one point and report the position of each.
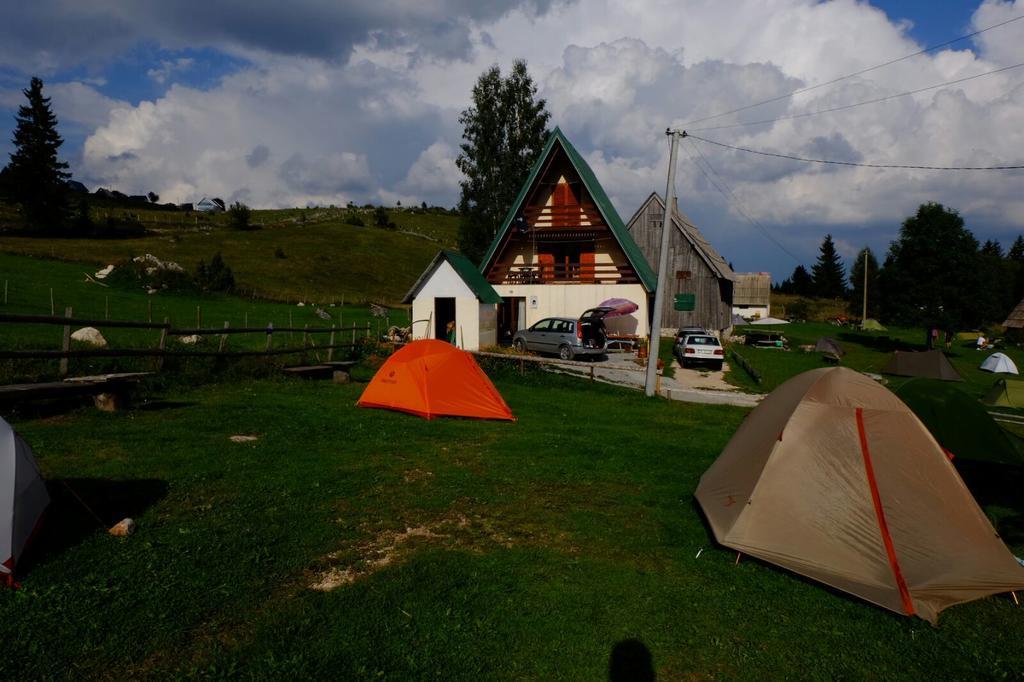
(75, 504)
(997, 485)
(884, 344)
(631, 661)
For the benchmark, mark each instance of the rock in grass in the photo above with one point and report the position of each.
(191, 340)
(122, 528)
(89, 335)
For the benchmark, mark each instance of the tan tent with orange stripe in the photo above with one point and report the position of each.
(834, 478)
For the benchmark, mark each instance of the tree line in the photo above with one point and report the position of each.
(935, 273)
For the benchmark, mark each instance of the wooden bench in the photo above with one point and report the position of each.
(109, 391)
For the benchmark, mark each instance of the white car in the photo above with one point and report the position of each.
(700, 349)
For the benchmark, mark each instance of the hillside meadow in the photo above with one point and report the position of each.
(295, 255)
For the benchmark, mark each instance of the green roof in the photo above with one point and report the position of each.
(484, 292)
(604, 205)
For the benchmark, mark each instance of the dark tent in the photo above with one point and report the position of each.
(930, 364)
(960, 423)
(827, 344)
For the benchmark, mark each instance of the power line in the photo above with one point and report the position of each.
(860, 104)
(856, 73)
(851, 163)
(730, 197)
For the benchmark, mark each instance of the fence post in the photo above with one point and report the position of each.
(149, 310)
(330, 351)
(290, 325)
(52, 313)
(199, 318)
(270, 335)
(162, 344)
(66, 343)
(353, 333)
(223, 337)
(106, 307)
(305, 337)
(5, 292)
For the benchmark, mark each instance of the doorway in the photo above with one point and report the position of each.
(444, 312)
(511, 317)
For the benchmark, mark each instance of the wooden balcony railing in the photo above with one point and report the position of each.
(561, 273)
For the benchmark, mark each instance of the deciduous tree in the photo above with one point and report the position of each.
(503, 133)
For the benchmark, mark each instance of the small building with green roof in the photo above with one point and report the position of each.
(451, 291)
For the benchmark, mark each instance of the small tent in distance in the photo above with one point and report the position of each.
(829, 346)
(930, 364)
(23, 499)
(998, 363)
(872, 325)
(958, 422)
(431, 378)
(834, 478)
(1005, 393)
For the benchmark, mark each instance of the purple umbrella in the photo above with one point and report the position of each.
(620, 306)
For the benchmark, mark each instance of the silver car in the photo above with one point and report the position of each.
(564, 336)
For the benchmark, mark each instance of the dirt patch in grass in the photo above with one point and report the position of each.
(474, 532)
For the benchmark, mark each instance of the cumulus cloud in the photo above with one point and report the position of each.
(169, 67)
(360, 101)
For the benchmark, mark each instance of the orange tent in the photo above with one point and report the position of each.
(432, 378)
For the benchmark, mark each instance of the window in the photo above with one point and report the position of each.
(542, 326)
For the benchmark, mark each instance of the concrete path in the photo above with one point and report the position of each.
(688, 385)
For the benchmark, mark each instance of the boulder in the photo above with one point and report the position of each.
(89, 335)
(123, 528)
(191, 340)
(341, 377)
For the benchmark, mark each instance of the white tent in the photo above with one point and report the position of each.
(23, 498)
(998, 363)
(769, 320)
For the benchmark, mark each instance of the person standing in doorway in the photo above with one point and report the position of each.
(450, 331)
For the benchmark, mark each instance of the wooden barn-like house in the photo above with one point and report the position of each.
(695, 268)
(752, 295)
(563, 248)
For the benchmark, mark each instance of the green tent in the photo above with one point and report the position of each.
(959, 423)
(1005, 393)
(872, 325)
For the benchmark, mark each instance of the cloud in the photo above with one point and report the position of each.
(169, 67)
(257, 156)
(48, 35)
(361, 101)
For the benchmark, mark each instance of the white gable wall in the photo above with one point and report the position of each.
(475, 322)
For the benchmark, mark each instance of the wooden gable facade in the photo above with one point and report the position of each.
(694, 267)
(563, 248)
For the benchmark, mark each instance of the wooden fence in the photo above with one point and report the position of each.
(166, 330)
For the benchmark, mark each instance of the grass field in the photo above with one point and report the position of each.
(29, 281)
(325, 259)
(865, 351)
(457, 549)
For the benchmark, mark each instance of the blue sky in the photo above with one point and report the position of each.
(326, 102)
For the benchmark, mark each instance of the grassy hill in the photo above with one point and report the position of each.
(309, 255)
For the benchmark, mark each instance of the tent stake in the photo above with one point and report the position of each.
(738, 555)
(1015, 600)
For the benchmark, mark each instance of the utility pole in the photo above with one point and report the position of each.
(864, 313)
(659, 288)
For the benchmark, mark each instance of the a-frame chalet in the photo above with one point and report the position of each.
(563, 248)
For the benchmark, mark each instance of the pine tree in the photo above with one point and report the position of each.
(504, 132)
(857, 283)
(801, 282)
(38, 179)
(1016, 251)
(829, 273)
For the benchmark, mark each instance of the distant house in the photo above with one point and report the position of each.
(209, 205)
(695, 268)
(451, 289)
(561, 249)
(1015, 320)
(751, 295)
